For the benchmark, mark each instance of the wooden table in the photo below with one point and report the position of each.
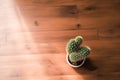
(34, 33)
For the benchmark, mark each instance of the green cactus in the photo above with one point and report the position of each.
(75, 51)
(78, 40)
(74, 57)
(72, 46)
(84, 51)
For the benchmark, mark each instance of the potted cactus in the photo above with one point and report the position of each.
(76, 54)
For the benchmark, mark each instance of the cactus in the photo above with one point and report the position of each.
(76, 52)
(72, 46)
(78, 40)
(82, 52)
(74, 57)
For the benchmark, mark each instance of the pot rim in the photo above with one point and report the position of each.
(83, 61)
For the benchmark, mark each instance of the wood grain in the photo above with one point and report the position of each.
(34, 34)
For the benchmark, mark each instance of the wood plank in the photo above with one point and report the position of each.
(84, 3)
(62, 11)
(24, 2)
(69, 11)
(42, 60)
(61, 2)
(46, 24)
(93, 9)
(44, 36)
(52, 36)
(43, 64)
(98, 47)
(110, 33)
(51, 2)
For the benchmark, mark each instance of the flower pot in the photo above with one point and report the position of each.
(75, 64)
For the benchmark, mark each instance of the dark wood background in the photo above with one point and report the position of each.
(45, 28)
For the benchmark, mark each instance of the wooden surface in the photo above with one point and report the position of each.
(34, 33)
